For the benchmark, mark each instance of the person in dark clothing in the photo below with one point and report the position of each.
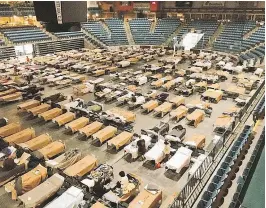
(29, 78)
(80, 104)
(141, 147)
(3, 121)
(9, 164)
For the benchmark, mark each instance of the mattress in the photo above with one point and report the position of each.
(156, 152)
(11, 97)
(28, 181)
(152, 104)
(177, 100)
(121, 139)
(10, 129)
(20, 137)
(77, 124)
(82, 167)
(7, 92)
(42, 192)
(145, 199)
(64, 118)
(65, 160)
(50, 114)
(180, 112)
(37, 143)
(29, 104)
(195, 115)
(39, 109)
(180, 159)
(164, 108)
(105, 134)
(98, 205)
(195, 141)
(223, 121)
(91, 128)
(71, 198)
(52, 149)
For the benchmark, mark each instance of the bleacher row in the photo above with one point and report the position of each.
(111, 32)
(259, 112)
(64, 35)
(214, 188)
(256, 53)
(25, 35)
(232, 37)
(26, 11)
(115, 35)
(206, 27)
(142, 34)
(248, 171)
(6, 10)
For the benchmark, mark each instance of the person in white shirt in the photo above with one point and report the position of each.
(123, 180)
(166, 150)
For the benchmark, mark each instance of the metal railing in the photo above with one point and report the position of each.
(190, 192)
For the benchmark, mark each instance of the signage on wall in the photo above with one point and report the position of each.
(141, 5)
(58, 12)
(213, 3)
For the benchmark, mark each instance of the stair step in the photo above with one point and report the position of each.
(153, 26)
(170, 38)
(94, 38)
(129, 34)
(248, 34)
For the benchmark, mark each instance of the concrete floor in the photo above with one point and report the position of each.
(158, 177)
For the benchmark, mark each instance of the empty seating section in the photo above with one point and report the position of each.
(208, 27)
(63, 35)
(26, 11)
(118, 33)
(141, 30)
(248, 172)
(259, 112)
(232, 37)
(6, 10)
(257, 53)
(25, 35)
(94, 42)
(218, 180)
(166, 27)
(96, 29)
(255, 38)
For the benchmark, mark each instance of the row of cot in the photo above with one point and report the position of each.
(31, 170)
(96, 129)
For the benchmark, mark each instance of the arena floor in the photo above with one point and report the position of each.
(168, 183)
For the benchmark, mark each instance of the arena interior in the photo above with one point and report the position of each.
(139, 104)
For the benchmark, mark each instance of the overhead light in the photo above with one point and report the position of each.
(97, 15)
(30, 15)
